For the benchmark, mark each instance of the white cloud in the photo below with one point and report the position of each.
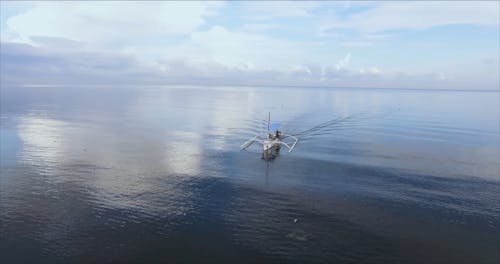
(356, 44)
(173, 42)
(258, 26)
(232, 49)
(329, 34)
(370, 71)
(108, 22)
(376, 36)
(419, 15)
(264, 10)
(343, 62)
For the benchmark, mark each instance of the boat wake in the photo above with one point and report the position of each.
(339, 123)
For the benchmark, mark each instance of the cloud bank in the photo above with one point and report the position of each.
(360, 44)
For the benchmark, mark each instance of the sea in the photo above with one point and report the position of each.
(156, 174)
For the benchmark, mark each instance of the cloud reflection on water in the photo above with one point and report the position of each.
(42, 141)
(117, 169)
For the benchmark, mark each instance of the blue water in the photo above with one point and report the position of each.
(156, 174)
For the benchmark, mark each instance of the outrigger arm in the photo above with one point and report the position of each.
(290, 148)
(249, 142)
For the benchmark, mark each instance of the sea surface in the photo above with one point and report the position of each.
(155, 174)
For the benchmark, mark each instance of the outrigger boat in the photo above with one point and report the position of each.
(273, 140)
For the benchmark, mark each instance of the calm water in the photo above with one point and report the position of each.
(155, 174)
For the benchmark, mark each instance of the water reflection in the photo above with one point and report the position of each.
(158, 174)
(115, 167)
(43, 141)
(183, 152)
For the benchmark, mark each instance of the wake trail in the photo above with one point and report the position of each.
(340, 123)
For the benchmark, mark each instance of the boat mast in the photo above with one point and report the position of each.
(268, 120)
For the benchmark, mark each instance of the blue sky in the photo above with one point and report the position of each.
(363, 44)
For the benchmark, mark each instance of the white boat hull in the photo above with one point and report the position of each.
(270, 144)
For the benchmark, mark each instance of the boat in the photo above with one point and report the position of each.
(273, 139)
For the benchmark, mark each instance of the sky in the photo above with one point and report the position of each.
(428, 45)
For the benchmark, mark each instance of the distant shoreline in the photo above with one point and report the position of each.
(252, 86)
